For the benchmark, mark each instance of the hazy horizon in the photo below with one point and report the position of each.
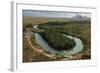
(53, 14)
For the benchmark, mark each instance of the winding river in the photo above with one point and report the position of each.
(40, 41)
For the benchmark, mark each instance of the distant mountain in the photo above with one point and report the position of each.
(80, 18)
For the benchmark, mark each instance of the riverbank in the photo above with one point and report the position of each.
(38, 54)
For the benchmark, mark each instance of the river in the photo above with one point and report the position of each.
(78, 47)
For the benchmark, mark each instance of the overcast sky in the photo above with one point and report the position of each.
(53, 14)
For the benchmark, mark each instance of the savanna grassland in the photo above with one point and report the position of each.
(53, 27)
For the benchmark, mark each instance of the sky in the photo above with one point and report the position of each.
(53, 14)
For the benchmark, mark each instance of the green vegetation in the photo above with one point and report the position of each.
(58, 41)
(80, 29)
